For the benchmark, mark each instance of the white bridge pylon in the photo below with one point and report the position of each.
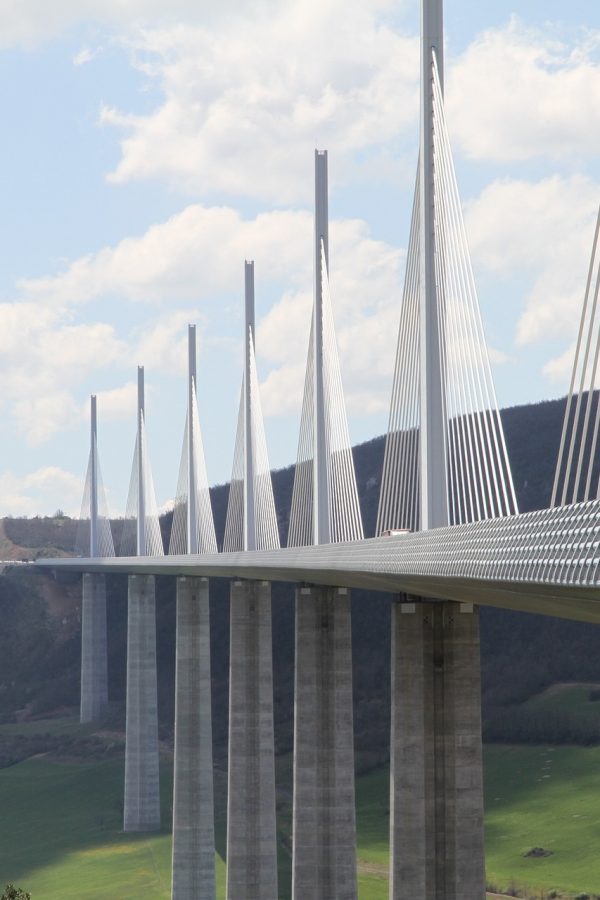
(445, 459)
(141, 530)
(193, 529)
(325, 504)
(94, 535)
(251, 522)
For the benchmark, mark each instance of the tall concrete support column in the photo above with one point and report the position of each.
(324, 854)
(251, 822)
(436, 796)
(142, 794)
(193, 804)
(94, 675)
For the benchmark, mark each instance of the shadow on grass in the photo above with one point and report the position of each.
(52, 809)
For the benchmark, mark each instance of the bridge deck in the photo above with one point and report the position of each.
(544, 562)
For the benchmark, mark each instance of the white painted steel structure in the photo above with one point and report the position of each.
(325, 504)
(445, 458)
(546, 561)
(141, 531)
(577, 476)
(94, 535)
(433, 474)
(193, 529)
(251, 522)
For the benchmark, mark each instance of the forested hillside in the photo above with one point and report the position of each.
(521, 654)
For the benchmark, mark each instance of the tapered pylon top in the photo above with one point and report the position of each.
(434, 508)
(141, 498)
(141, 532)
(192, 533)
(445, 458)
(321, 496)
(249, 512)
(193, 529)
(94, 478)
(325, 504)
(94, 536)
(251, 518)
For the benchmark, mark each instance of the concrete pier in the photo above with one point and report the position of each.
(436, 791)
(251, 823)
(193, 804)
(142, 795)
(324, 829)
(94, 669)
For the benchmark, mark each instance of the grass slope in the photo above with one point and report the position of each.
(543, 797)
(61, 839)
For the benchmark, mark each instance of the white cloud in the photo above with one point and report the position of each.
(162, 346)
(519, 93)
(119, 403)
(245, 103)
(184, 268)
(39, 415)
(43, 355)
(30, 22)
(499, 357)
(86, 55)
(195, 253)
(41, 492)
(542, 233)
(560, 368)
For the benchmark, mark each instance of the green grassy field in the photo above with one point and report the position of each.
(543, 797)
(571, 698)
(61, 839)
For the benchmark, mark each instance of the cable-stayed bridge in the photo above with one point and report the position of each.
(451, 539)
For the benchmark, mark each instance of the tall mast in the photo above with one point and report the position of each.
(141, 510)
(249, 511)
(192, 531)
(434, 503)
(321, 524)
(93, 479)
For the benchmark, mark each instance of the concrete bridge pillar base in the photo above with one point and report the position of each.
(94, 669)
(324, 830)
(436, 791)
(142, 794)
(193, 803)
(251, 819)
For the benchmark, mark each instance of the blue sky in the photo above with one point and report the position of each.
(146, 154)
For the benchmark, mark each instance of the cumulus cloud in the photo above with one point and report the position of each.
(186, 269)
(43, 355)
(242, 123)
(559, 368)
(541, 231)
(163, 345)
(519, 93)
(118, 403)
(195, 253)
(41, 492)
(30, 22)
(86, 55)
(174, 267)
(245, 103)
